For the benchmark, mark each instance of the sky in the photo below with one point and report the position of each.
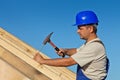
(32, 20)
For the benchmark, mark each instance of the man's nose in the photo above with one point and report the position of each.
(78, 30)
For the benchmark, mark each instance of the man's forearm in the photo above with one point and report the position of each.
(70, 51)
(59, 62)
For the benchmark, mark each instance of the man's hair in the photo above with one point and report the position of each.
(95, 28)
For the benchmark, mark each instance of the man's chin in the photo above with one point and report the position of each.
(82, 38)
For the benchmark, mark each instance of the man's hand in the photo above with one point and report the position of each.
(38, 58)
(61, 52)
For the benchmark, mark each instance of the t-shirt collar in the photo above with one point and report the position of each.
(92, 41)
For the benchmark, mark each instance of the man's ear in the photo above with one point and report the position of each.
(91, 29)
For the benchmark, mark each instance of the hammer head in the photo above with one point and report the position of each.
(47, 39)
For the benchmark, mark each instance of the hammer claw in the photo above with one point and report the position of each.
(47, 39)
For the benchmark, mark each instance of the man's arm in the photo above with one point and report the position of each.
(59, 62)
(67, 51)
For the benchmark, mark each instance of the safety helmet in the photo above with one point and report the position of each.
(86, 17)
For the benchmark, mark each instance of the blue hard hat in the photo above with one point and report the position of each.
(86, 17)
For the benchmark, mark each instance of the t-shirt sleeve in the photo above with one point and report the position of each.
(85, 55)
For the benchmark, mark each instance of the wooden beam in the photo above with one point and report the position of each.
(21, 66)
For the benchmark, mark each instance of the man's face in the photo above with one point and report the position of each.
(84, 32)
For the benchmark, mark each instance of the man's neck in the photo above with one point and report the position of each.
(91, 37)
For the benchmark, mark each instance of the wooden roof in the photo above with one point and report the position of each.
(18, 55)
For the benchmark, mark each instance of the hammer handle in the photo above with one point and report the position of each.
(57, 49)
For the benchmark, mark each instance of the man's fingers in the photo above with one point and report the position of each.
(60, 52)
(36, 54)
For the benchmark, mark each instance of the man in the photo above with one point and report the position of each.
(90, 57)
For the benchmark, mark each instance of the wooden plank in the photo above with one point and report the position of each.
(18, 46)
(21, 66)
(31, 51)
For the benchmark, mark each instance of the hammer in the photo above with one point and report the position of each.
(47, 40)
